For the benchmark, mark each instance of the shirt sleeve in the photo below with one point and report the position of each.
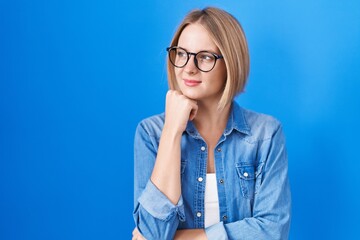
(154, 214)
(272, 202)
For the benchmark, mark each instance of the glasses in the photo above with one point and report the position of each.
(204, 61)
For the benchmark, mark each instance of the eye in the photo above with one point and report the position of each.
(181, 54)
(205, 57)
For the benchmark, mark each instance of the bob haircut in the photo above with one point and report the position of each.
(229, 37)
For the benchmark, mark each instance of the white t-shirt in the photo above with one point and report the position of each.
(212, 212)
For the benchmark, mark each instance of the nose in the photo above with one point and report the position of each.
(190, 66)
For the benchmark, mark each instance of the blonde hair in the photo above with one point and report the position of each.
(229, 37)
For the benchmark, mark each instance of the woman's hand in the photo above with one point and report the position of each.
(190, 234)
(179, 110)
(136, 235)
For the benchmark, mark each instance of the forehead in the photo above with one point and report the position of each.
(196, 38)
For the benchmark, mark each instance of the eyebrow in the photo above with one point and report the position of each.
(203, 50)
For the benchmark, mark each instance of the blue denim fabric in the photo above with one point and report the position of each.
(251, 171)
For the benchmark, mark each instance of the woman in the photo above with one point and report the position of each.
(207, 168)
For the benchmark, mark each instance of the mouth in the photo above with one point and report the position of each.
(191, 83)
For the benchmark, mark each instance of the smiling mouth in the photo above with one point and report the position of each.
(191, 83)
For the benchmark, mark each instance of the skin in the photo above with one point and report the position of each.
(195, 103)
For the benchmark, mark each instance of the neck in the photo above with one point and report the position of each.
(209, 117)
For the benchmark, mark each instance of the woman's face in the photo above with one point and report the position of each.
(193, 83)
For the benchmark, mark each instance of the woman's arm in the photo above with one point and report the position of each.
(190, 234)
(158, 202)
(166, 173)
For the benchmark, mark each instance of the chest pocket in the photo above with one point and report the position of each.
(247, 176)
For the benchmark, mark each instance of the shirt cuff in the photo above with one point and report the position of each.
(158, 205)
(216, 232)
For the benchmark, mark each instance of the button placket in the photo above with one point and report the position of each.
(200, 186)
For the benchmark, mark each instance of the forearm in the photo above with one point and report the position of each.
(166, 172)
(190, 234)
(155, 216)
(158, 204)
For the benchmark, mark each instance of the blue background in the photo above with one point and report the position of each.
(77, 76)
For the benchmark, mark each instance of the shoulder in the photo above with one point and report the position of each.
(152, 125)
(260, 126)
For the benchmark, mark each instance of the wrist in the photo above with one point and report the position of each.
(171, 131)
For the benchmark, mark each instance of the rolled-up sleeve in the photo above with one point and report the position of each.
(155, 216)
(158, 205)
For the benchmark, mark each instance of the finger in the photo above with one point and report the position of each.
(173, 92)
(193, 112)
(135, 231)
(192, 115)
(138, 237)
(135, 234)
(176, 92)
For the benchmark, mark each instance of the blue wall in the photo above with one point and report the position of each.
(77, 76)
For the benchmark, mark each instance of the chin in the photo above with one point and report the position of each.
(191, 93)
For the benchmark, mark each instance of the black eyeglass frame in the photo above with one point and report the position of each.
(216, 56)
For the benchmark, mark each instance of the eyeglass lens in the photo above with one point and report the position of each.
(204, 61)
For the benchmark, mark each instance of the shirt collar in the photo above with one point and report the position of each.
(236, 121)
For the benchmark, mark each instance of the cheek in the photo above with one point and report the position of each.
(177, 74)
(221, 77)
(222, 69)
(222, 74)
(177, 71)
(178, 78)
(222, 82)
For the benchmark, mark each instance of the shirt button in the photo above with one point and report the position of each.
(202, 148)
(221, 181)
(246, 174)
(224, 217)
(200, 179)
(219, 149)
(198, 214)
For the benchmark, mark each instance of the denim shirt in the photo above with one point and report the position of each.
(252, 179)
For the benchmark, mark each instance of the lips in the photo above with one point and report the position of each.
(191, 83)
